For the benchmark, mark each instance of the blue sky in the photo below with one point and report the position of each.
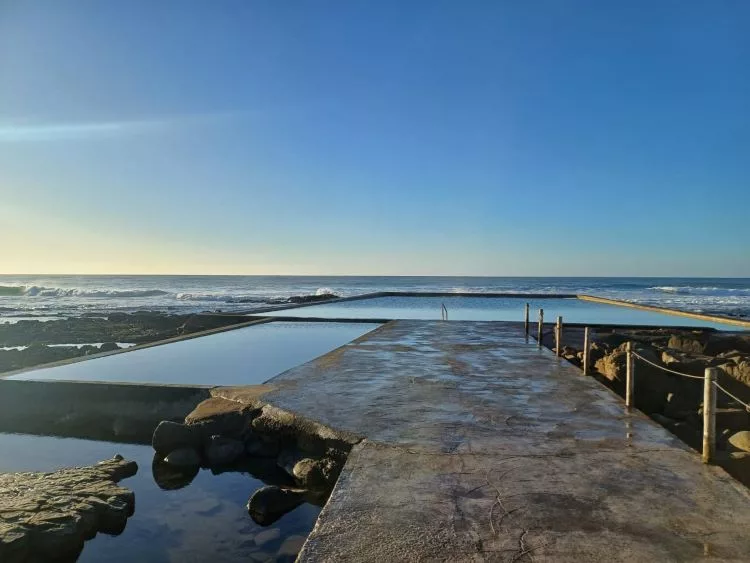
(477, 138)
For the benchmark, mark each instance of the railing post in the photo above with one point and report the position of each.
(526, 320)
(586, 347)
(541, 326)
(709, 414)
(558, 337)
(629, 375)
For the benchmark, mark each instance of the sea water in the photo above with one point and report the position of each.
(45, 296)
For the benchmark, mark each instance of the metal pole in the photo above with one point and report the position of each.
(558, 337)
(709, 415)
(526, 320)
(629, 368)
(586, 347)
(541, 326)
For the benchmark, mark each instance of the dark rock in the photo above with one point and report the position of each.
(734, 419)
(171, 477)
(183, 457)
(268, 504)
(288, 458)
(257, 446)
(108, 347)
(221, 450)
(170, 436)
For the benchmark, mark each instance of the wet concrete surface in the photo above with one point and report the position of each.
(480, 446)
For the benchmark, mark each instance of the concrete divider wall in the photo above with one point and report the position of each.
(118, 412)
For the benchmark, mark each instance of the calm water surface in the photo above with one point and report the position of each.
(206, 520)
(243, 356)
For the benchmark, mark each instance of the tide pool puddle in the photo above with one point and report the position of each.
(199, 519)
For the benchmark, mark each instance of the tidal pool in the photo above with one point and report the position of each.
(462, 308)
(203, 520)
(242, 356)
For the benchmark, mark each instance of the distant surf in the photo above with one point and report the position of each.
(34, 296)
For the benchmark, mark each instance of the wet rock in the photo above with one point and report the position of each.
(171, 477)
(735, 419)
(316, 473)
(741, 440)
(679, 407)
(221, 416)
(258, 446)
(49, 515)
(288, 458)
(170, 436)
(221, 450)
(183, 457)
(268, 504)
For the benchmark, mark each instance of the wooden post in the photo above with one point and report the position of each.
(558, 337)
(629, 369)
(709, 415)
(586, 347)
(541, 326)
(526, 320)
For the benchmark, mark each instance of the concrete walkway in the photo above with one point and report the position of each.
(479, 446)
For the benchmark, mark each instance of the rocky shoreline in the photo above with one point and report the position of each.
(29, 340)
(671, 400)
(49, 516)
(234, 427)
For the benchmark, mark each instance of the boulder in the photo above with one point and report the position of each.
(316, 473)
(288, 459)
(170, 436)
(183, 457)
(171, 477)
(258, 446)
(738, 370)
(690, 343)
(221, 450)
(270, 503)
(741, 440)
(109, 347)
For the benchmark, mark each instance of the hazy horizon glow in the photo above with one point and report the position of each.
(428, 138)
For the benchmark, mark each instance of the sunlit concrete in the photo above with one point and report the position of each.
(479, 446)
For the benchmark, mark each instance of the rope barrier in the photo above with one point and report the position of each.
(747, 407)
(667, 369)
(744, 404)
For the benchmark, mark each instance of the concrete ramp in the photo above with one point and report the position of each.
(479, 446)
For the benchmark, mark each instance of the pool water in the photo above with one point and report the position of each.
(206, 520)
(462, 308)
(243, 356)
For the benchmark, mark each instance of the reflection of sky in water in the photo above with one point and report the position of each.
(491, 309)
(243, 356)
(206, 520)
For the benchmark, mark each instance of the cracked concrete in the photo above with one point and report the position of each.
(479, 446)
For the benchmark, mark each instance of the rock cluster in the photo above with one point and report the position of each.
(675, 401)
(48, 516)
(221, 432)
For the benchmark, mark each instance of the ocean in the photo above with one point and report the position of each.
(53, 296)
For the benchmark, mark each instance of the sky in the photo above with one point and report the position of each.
(557, 137)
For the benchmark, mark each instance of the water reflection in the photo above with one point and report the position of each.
(179, 516)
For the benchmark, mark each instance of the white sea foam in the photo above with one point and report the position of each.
(41, 291)
(703, 290)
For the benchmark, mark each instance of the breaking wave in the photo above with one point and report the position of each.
(703, 290)
(41, 291)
